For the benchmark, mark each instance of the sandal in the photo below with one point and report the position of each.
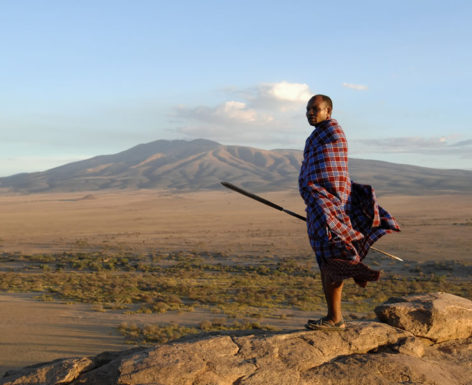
(325, 324)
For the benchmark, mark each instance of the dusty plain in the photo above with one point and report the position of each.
(434, 228)
(437, 227)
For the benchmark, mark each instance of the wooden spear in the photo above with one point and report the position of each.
(280, 208)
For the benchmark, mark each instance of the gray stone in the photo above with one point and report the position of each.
(51, 373)
(385, 369)
(411, 346)
(437, 316)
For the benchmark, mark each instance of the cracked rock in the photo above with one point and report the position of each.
(368, 353)
(437, 316)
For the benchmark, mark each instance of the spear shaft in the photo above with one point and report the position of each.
(280, 208)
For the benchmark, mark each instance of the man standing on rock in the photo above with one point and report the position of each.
(343, 218)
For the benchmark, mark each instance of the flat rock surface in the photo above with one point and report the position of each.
(367, 352)
(253, 359)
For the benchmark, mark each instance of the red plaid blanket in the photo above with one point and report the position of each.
(343, 217)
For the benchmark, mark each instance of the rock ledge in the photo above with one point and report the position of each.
(422, 339)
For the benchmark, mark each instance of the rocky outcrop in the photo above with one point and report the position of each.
(367, 352)
(55, 372)
(439, 316)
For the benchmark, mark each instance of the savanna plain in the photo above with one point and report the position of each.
(81, 273)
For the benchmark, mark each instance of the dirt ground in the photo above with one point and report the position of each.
(434, 228)
(32, 332)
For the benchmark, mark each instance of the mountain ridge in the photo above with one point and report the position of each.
(201, 164)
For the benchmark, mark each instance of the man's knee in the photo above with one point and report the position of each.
(335, 284)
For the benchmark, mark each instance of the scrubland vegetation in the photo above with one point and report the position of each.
(240, 293)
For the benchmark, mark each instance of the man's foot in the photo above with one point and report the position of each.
(325, 324)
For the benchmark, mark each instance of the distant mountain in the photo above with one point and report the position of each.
(201, 164)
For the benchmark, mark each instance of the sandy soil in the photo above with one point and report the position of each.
(32, 332)
(434, 228)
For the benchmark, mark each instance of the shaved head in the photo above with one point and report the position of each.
(324, 98)
(319, 109)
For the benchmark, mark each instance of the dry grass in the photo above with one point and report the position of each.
(240, 292)
(149, 252)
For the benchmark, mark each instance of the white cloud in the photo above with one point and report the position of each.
(463, 143)
(229, 112)
(443, 145)
(238, 111)
(280, 96)
(407, 144)
(291, 92)
(261, 115)
(357, 87)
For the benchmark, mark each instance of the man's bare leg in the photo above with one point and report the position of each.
(333, 293)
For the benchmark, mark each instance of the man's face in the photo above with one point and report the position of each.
(317, 111)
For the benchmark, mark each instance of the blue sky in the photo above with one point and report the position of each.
(85, 78)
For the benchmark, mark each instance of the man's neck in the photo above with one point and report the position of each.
(321, 123)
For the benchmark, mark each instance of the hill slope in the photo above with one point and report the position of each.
(202, 164)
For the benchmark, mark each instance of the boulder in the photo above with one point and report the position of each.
(437, 316)
(411, 346)
(385, 369)
(270, 358)
(56, 372)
